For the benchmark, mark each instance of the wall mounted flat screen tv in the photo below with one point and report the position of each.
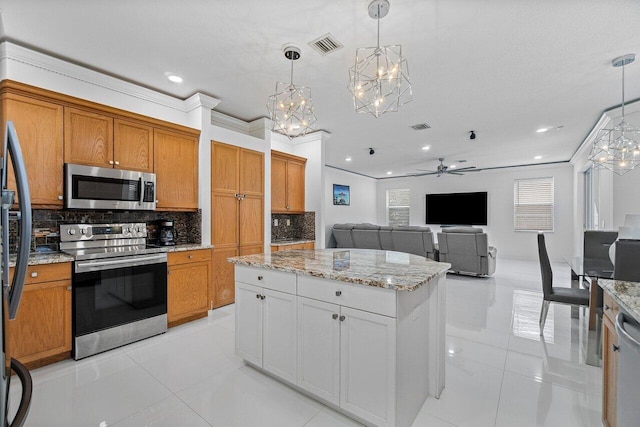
(457, 208)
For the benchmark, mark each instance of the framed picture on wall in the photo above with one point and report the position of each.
(341, 195)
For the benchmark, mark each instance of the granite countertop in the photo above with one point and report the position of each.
(384, 269)
(57, 257)
(626, 294)
(285, 242)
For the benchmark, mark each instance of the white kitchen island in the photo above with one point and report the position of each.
(362, 331)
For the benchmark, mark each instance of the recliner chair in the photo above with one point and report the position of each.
(467, 250)
(414, 240)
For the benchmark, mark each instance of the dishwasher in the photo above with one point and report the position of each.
(628, 410)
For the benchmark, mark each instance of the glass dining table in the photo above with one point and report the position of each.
(588, 271)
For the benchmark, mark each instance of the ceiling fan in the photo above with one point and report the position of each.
(442, 170)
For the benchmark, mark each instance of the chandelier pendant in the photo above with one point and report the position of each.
(618, 148)
(290, 108)
(379, 80)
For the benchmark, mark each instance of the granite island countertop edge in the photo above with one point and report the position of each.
(341, 277)
(626, 294)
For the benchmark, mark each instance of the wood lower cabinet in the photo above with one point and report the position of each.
(188, 281)
(41, 332)
(276, 247)
(237, 212)
(39, 126)
(176, 167)
(287, 183)
(609, 362)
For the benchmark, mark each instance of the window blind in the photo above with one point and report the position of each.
(533, 204)
(398, 201)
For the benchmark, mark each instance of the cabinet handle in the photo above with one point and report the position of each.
(288, 207)
(615, 347)
(334, 316)
(60, 198)
(342, 318)
(110, 162)
(262, 297)
(190, 256)
(117, 163)
(258, 296)
(338, 293)
(606, 307)
(34, 274)
(68, 288)
(260, 277)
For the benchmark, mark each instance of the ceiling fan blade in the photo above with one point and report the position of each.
(469, 169)
(455, 173)
(426, 170)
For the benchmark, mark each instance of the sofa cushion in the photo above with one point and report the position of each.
(343, 226)
(411, 228)
(468, 230)
(366, 226)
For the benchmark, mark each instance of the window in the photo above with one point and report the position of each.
(533, 204)
(398, 202)
(591, 199)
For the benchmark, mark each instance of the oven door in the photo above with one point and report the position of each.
(117, 293)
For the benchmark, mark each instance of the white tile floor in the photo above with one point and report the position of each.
(499, 373)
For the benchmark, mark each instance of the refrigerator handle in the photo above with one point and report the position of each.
(24, 203)
(27, 389)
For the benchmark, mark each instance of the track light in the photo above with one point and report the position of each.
(372, 151)
(472, 135)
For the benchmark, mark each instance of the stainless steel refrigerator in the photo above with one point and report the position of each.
(12, 290)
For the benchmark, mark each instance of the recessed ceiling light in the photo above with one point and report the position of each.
(426, 148)
(347, 159)
(174, 78)
(452, 167)
(389, 172)
(541, 130)
(537, 157)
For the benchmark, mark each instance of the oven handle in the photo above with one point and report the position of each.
(121, 262)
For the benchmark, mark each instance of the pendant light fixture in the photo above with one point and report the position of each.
(617, 149)
(379, 80)
(290, 108)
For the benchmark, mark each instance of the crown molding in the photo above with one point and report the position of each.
(198, 100)
(14, 54)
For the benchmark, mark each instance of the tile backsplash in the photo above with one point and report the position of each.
(46, 224)
(301, 226)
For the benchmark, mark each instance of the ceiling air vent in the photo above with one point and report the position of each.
(421, 126)
(325, 44)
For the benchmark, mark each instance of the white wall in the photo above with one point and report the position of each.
(364, 200)
(499, 186)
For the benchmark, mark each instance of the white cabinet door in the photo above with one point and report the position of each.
(249, 323)
(319, 348)
(279, 334)
(367, 365)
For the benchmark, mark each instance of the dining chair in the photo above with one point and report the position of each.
(573, 296)
(627, 267)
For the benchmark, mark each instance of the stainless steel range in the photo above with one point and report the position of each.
(119, 285)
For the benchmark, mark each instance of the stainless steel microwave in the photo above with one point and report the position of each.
(91, 187)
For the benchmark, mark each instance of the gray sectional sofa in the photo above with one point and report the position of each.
(465, 248)
(410, 239)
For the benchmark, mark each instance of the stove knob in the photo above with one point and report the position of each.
(83, 231)
(128, 230)
(71, 231)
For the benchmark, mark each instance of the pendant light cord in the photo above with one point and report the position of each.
(291, 80)
(623, 93)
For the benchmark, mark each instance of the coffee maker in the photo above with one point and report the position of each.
(167, 234)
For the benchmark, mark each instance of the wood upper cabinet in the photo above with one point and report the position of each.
(189, 278)
(88, 138)
(94, 139)
(39, 126)
(132, 146)
(287, 183)
(41, 332)
(176, 167)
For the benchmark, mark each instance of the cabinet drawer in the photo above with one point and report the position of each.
(270, 279)
(361, 297)
(610, 307)
(185, 257)
(46, 272)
